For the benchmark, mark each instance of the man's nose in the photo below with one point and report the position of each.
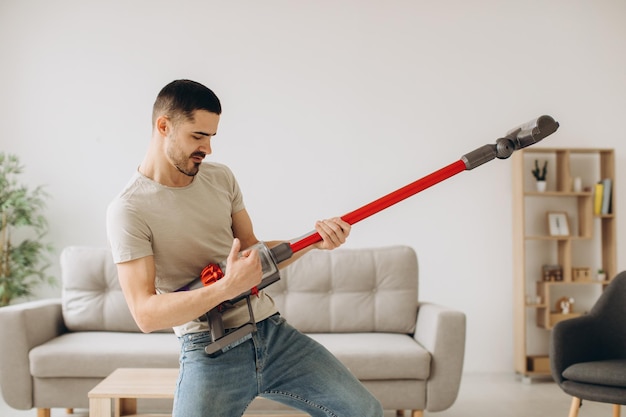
(206, 146)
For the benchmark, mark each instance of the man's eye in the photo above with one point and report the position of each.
(197, 137)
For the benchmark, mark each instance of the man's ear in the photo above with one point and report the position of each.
(163, 125)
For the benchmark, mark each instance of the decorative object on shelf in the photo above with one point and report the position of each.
(541, 186)
(601, 276)
(552, 273)
(578, 185)
(540, 175)
(565, 305)
(581, 274)
(22, 255)
(558, 224)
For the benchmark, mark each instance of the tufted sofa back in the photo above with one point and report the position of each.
(350, 290)
(91, 295)
(346, 290)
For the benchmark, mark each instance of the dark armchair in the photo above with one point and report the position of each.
(588, 353)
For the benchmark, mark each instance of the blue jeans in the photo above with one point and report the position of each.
(278, 363)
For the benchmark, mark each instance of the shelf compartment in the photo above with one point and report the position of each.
(549, 320)
(539, 364)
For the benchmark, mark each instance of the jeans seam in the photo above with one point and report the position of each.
(302, 400)
(259, 353)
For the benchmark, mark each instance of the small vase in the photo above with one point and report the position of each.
(541, 186)
(578, 185)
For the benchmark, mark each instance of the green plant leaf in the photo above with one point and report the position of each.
(23, 260)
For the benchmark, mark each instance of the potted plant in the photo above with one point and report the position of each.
(540, 175)
(601, 275)
(23, 259)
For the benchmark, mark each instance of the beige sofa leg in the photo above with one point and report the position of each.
(399, 413)
(573, 410)
(417, 413)
(616, 410)
(43, 412)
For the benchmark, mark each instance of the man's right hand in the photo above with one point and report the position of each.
(243, 270)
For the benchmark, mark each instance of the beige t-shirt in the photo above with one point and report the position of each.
(184, 228)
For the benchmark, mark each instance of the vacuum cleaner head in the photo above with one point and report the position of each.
(532, 132)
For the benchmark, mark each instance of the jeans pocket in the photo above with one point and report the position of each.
(196, 341)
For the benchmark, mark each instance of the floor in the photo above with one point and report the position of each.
(481, 395)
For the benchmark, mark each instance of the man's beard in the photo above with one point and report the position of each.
(181, 162)
(189, 172)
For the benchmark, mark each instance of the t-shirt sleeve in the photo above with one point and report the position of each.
(237, 199)
(129, 236)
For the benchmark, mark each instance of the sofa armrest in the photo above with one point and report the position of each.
(441, 331)
(22, 327)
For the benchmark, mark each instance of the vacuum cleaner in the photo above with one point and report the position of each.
(225, 339)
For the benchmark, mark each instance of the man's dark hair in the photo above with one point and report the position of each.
(181, 98)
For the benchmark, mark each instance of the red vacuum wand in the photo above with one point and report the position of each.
(386, 201)
(517, 138)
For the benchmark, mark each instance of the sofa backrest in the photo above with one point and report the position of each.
(345, 290)
(91, 295)
(350, 290)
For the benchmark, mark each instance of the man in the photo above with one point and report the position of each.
(177, 215)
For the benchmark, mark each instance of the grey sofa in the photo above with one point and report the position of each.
(362, 304)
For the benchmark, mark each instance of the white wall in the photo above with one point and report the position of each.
(327, 106)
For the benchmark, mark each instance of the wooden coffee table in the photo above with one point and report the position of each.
(118, 393)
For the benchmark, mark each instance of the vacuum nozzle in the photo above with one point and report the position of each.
(518, 138)
(532, 132)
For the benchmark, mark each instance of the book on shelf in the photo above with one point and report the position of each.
(597, 198)
(602, 197)
(606, 196)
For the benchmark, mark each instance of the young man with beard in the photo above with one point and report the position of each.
(179, 214)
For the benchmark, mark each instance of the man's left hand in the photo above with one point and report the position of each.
(334, 233)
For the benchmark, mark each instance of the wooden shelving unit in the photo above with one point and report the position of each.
(590, 245)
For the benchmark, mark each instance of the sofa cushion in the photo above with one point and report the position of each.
(350, 290)
(369, 356)
(97, 354)
(91, 295)
(378, 356)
